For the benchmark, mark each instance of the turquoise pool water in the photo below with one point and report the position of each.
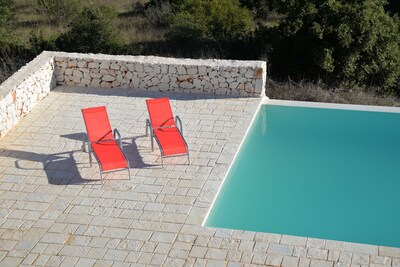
(314, 172)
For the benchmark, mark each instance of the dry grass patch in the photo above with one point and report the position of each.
(316, 93)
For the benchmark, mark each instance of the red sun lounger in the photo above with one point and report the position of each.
(164, 129)
(102, 141)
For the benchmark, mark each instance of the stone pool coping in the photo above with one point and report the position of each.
(266, 100)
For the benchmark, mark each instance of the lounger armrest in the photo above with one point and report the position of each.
(119, 140)
(177, 119)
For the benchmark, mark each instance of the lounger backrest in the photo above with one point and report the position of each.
(160, 112)
(97, 123)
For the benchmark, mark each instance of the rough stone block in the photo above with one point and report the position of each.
(128, 75)
(249, 73)
(95, 82)
(249, 88)
(75, 79)
(77, 73)
(139, 67)
(164, 86)
(105, 84)
(181, 70)
(116, 83)
(157, 69)
(108, 78)
(93, 65)
(155, 81)
(172, 69)
(233, 85)
(105, 65)
(82, 64)
(164, 69)
(114, 66)
(85, 81)
(72, 64)
(192, 71)
(135, 82)
(202, 70)
(68, 71)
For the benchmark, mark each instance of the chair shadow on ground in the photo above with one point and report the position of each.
(129, 146)
(60, 168)
(63, 168)
(131, 151)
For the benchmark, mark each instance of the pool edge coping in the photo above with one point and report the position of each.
(233, 160)
(325, 105)
(343, 246)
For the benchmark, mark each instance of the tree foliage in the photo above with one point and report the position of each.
(6, 20)
(59, 12)
(92, 30)
(354, 41)
(215, 20)
(259, 7)
(6, 12)
(159, 12)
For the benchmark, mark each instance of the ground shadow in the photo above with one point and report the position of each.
(75, 136)
(129, 146)
(140, 93)
(60, 168)
(131, 151)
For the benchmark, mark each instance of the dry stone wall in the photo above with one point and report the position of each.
(226, 77)
(22, 91)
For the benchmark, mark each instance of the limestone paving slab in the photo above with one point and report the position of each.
(55, 211)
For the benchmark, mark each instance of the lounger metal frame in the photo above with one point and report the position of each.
(119, 142)
(152, 135)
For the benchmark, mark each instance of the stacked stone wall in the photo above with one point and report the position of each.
(21, 92)
(226, 77)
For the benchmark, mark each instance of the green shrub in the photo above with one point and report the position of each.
(92, 30)
(337, 40)
(58, 12)
(6, 13)
(159, 13)
(138, 7)
(259, 7)
(39, 42)
(7, 38)
(215, 20)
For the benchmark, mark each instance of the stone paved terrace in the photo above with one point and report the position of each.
(55, 212)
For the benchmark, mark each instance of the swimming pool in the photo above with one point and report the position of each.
(314, 170)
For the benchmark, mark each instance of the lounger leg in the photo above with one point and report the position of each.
(129, 174)
(188, 159)
(84, 146)
(152, 141)
(90, 157)
(101, 176)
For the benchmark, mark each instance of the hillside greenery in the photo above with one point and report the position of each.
(346, 46)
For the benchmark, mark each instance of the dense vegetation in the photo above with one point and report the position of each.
(351, 46)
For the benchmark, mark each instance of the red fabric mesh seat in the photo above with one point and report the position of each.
(110, 156)
(97, 124)
(163, 128)
(171, 141)
(102, 143)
